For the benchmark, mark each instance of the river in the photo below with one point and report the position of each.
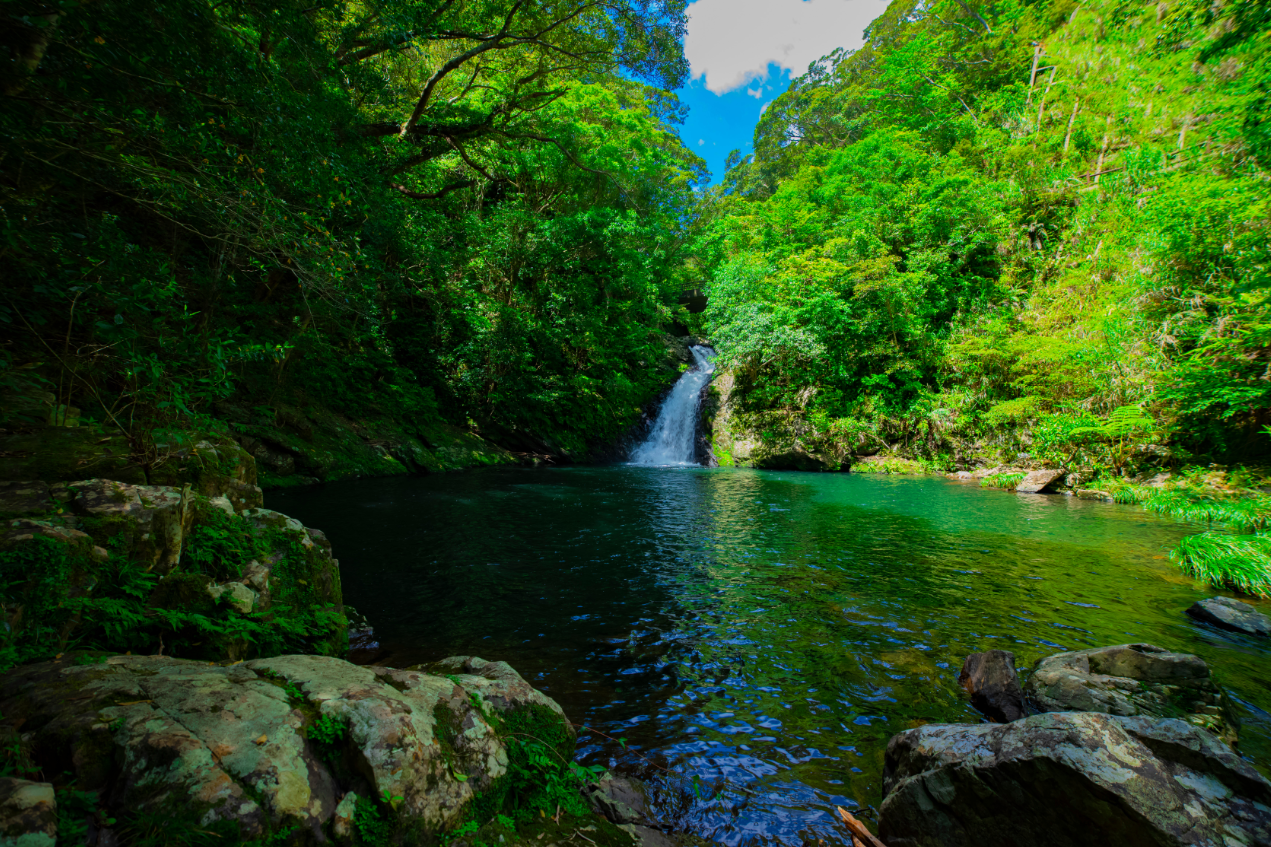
(749, 640)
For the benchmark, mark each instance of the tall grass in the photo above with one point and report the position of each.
(1239, 562)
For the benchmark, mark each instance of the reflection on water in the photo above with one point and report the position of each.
(764, 632)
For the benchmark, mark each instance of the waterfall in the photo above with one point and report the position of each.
(671, 441)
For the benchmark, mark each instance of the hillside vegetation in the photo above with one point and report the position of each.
(1009, 232)
(364, 219)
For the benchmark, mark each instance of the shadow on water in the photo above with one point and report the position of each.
(763, 632)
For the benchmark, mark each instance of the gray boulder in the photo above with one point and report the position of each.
(1231, 614)
(237, 746)
(1039, 482)
(991, 681)
(1070, 780)
(28, 814)
(1131, 679)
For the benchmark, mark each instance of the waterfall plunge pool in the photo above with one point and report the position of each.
(763, 631)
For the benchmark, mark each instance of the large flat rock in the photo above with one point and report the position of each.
(1070, 780)
(237, 745)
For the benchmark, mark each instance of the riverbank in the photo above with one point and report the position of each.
(764, 632)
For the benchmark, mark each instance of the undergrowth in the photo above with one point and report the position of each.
(57, 597)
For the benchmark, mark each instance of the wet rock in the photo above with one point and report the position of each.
(990, 679)
(646, 836)
(1093, 494)
(1039, 482)
(792, 458)
(1231, 614)
(1070, 780)
(620, 800)
(28, 814)
(231, 745)
(1131, 679)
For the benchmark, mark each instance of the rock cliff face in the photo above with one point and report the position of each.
(736, 440)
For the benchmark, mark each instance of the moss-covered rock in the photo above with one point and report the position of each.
(214, 466)
(1132, 679)
(116, 567)
(307, 744)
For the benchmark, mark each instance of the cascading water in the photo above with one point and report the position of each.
(671, 441)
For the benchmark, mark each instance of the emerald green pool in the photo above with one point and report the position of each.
(760, 633)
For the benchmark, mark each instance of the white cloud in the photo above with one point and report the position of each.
(731, 42)
(701, 141)
(756, 93)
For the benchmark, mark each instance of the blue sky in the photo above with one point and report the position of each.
(720, 123)
(743, 54)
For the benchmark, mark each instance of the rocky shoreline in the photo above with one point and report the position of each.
(213, 725)
(1129, 744)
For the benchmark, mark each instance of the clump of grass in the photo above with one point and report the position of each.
(889, 465)
(1002, 480)
(1239, 562)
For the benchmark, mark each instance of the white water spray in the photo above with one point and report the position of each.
(671, 441)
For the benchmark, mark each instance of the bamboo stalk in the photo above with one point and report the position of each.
(1032, 74)
(1103, 150)
(1068, 135)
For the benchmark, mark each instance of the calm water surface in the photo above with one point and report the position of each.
(760, 634)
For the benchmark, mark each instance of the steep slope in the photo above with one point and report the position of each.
(1019, 228)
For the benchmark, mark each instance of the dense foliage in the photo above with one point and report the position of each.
(1008, 228)
(472, 210)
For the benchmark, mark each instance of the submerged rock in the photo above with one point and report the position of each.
(278, 744)
(1131, 679)
(28, 813)
(1070, 780)
(621, 800)
(1231, 614)
(991, 681)
(1039, 482)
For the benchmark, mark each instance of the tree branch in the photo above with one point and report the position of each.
(490, 43)
(416, 195)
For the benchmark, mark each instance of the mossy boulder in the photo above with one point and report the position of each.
(214, 466)
(279, 745)
(1132, 679)
(115, 566)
